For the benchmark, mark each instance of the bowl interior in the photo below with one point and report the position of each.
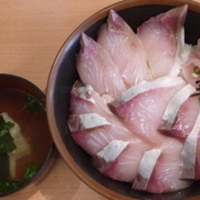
(63, 76)
(14, 98)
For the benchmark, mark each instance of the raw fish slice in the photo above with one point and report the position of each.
(84, 99)
(125, 166)
(109, 154)
(112, 150)
(185, 118)
(94, 140)
(191, 153)
(164, 173)
(191, 68)
(125, 49)
(172, 109)
(143, 113)
(146, 168)
(80, 122)
(96, 68)
(167, 174)
(160, 37)
(144, 86)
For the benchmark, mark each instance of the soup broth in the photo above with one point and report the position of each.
(30, 115)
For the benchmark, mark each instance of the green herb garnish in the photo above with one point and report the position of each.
(33, 104)
(196, 70)
(7, 144)
(8, 185)
(30, 170)
(4, 166)
(4, 127)
(6, 141)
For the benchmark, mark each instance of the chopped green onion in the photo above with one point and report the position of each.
(33, 104)
(194, 75)
(196, 70)
(4, 127)
(7, 144)
(8, 185)
(30, 170)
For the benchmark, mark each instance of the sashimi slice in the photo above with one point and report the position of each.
(190, 153)
(87, 102)
(143, 113)
(125, 166)
(145, 169)
(96, 68)
(160, 35)
(191, 68)
(112, 150)
(186, 117)
(168, 81)
(109, 154)
(94, 140)
(167, 173)
(125, 48)
(84, 99)
(86, 121)
(79, 90)
(172, 109)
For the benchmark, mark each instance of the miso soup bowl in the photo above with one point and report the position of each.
(64, 74)
(19, 99)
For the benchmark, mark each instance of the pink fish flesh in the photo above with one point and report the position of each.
(119, 39)
(185, 118)
(167, 175)
(96, 68)
(125, 166)
(144, 111)
(159, 36)
(190, 153)
(170, 115)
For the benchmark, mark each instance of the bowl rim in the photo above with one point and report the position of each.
(121, 5)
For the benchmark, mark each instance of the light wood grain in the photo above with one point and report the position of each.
(31, 33)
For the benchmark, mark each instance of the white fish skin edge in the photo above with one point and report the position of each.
(167, 81)
(189, 151)
(112, 150)
(84, 91)
(182, 53)
(86, 121)
(147, 165)
(174, 105)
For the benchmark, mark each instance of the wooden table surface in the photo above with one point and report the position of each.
(31, 33)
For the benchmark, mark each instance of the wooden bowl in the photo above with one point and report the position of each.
(63, 75)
